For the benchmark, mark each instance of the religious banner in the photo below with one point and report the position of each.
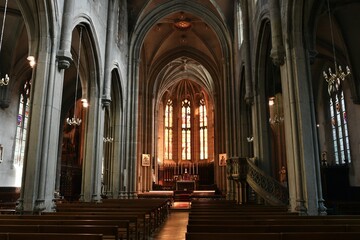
(222, 159)
(145, 160)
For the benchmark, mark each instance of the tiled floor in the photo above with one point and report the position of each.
(173, 228)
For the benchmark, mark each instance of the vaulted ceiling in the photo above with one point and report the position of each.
(183, 41)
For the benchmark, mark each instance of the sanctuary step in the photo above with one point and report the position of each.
(182, 196)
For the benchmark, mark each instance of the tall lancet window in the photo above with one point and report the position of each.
(22, 123)
(203, 131)
(168, 129)
(340, 129)
(185, 130)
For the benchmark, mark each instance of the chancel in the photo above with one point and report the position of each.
(220, 112)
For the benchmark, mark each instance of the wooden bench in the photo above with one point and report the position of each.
(150, 213)
(122, 226)
(157, 209)
(136, 222)
(153, 214)
(223, 220)
(270, 221)
(49, 236)
(256, 216)
(271, 228)
(108, 231)
(145, 221)
(275, 236)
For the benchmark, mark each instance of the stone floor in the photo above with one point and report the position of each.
(174, 228)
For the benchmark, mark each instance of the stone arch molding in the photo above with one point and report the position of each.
(94, 56)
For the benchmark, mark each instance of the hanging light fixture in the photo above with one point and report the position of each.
(334, 79)
(4, 80)
(108, 139)
(74, 120)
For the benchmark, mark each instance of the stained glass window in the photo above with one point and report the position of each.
(240, 25)
(168, 129)
(22, 123)
(339, 129)
(203, 131)
(185, 130)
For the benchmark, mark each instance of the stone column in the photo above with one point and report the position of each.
(111, 20)
(130, 166)
(64, 55)
(39, 170)
(249, 95)
(277, 52)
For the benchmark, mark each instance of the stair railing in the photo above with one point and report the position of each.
(244, 169)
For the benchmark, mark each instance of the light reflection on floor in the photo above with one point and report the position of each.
(174, 228)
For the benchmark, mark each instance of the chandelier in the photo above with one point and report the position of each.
(74, 120)
(4, 80)
(334, 79)
(108, 139)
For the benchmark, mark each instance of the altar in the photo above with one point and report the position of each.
(186, 185)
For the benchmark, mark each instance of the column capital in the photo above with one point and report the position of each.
(64, 59)
(105, 101)
(278, 55)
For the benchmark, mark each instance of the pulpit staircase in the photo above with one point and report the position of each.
(244, 172)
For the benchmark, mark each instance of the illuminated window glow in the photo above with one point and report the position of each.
(339, 127)
(203, 131)
(168, 129)
(185, 130)
(22, 123)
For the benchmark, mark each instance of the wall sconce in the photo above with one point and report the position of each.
(85, 103)
(271, 101)
(31, 60)
(250, 139)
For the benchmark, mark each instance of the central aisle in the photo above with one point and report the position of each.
(174, 228)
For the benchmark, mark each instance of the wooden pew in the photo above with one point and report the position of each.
(225, 220)
(108, 231)
(271, 228)
(49, 236)
(269, 221)
(144, 218)
(122, 226)
(155, 210)
(275, 236)
(150, 213)
(134, 220)
(257, 216)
